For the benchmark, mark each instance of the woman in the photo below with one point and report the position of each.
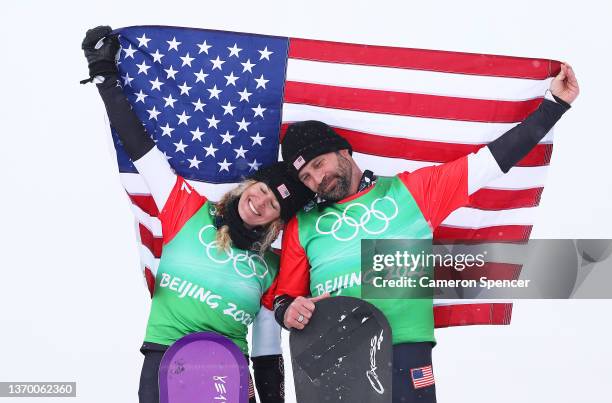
(216, 268)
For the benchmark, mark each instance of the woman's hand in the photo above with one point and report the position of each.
(100, 48)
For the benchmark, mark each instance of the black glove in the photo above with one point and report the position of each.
(102, 60)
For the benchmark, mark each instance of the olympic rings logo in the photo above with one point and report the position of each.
(373, 221)
(255, 262)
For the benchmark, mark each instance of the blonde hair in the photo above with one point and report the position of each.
(224, 240)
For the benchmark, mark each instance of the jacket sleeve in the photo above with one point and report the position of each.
(439, 190)
(149, 161)
(499, 156)
(182, 203)
(293, 279)
(512, 146)
(294, 274)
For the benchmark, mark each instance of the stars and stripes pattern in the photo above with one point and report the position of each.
(217, 104)
(422, 377)
(211, 100)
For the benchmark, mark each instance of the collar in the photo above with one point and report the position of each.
(367, 179)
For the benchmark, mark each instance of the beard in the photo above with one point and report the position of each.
(343, 181)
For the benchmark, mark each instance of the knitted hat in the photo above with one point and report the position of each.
(290, 193)
(307, 140)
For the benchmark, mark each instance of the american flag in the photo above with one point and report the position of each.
(422, 377)
(217, 103)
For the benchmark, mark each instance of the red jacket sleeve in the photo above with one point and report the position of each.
(184, 201)
(294, 274)
(439, 190)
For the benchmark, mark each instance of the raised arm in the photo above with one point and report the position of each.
(100, 47)
(441, 189)
(511, 147)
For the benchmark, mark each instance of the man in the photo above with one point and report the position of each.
(321, 247)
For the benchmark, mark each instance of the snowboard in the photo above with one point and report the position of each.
(344, 354)
(203, 367)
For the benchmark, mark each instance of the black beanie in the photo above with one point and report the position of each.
(291, 194)
(308, 139)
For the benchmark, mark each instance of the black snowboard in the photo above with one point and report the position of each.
(344, 354)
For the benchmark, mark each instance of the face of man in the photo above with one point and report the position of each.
(329, 175)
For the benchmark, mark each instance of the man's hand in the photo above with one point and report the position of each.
(300, 311)
(565, 85)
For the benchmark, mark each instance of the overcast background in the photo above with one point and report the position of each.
(73, 306)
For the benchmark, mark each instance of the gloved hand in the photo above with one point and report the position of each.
(101, 60)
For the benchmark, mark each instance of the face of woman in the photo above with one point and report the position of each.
(258, 205)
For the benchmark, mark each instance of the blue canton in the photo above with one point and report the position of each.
(211, 100)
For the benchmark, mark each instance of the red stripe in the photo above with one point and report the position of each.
(472, 314)
(408, 104)
(491, 270)
(421, 59)
(501, 233)
(150, 241)
(499, 199)
(421, 150)
(424, 383)
(150, 279)
(145, 203)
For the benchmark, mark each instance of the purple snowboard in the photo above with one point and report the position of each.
(203, 367)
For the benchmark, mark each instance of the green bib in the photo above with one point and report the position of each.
(332, 241)
(201, 288)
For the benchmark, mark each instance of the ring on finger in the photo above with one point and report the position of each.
(300, 318)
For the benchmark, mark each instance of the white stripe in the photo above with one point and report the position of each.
(212, 191)
(521, 178)
(415, 81)
(466, 217)
(148, 260)
(482, 169)
(441, 130)
(516, 178)
(135, 185)
(161, 178)
(152, 223)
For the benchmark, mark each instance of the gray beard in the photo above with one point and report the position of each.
(343, 183)
(339, 192)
